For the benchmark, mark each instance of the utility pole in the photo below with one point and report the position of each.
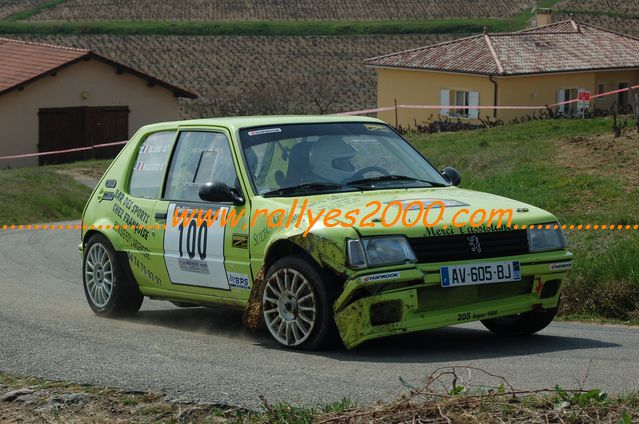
(636, 106)
(396, 114)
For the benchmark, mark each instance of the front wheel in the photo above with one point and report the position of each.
(297, 305)
(107, 288)
(521, 324)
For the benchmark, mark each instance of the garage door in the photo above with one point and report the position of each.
(67, 128)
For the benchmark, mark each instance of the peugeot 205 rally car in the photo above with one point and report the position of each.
(363, 274)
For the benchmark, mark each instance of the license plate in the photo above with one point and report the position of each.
(486, 273)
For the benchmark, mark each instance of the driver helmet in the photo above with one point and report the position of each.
(330, 158)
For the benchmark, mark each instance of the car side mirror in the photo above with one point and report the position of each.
(452, 175)
(221, 193)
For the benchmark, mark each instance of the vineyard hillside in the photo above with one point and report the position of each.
(617, 15)
(255, 75)
(186, 10)
(211, 46)
(9, 7)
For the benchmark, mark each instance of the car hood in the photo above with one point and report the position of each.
(457, 201)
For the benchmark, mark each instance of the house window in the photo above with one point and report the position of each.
(623, 97)
(601, 88)
(459, 101)
(459, 98)
(567, 95)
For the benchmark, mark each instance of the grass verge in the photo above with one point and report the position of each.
(46, 194)
(448, 396)
(564, 167)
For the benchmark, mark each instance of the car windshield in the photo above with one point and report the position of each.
(333, 157)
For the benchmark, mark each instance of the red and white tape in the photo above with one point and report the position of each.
(354, 112)
(58, 152)
(439, 107)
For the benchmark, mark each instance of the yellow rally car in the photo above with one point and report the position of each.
(321, 228)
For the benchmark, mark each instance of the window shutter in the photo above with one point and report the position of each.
(473, 101)
(444, 100)
(561, 98)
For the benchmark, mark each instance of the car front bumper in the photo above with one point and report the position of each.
(410, 298)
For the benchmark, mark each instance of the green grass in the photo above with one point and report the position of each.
(15, 24)
(26, 14)
(519, 161)
(45, 194)
(263, 28)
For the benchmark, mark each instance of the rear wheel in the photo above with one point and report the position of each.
(297, 305)
(107, 288)
(521, 324)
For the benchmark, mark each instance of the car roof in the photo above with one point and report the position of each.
(239, 122)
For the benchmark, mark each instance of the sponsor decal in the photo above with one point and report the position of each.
(561, 266)
(265, 131)
(193, 251)
(150, 148)
(239, 281)
(380, 277)
(260, 237)
(188, 265)
(433, 203)
(377, 127)
(148, 166)
(240, 241)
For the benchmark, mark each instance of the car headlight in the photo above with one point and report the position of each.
(546, 239)
(379, 251)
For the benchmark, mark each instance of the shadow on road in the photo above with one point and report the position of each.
(219, 321)
(464, 343)
(460, 343)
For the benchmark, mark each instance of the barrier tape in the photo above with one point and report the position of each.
(354, 112)
(403, 106)
(57, 152)
(54, 226)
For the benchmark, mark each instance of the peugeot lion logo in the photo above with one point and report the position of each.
(473, 243)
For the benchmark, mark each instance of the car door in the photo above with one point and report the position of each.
(134, 203)
(200, 248)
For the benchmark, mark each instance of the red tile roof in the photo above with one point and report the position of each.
(566, 46)
(22, 62)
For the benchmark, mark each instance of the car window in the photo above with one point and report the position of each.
(333, 153)
(149, 166)
(371, 151)
(200, 157)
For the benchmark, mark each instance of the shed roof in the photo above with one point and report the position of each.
(566, 46)
(22, 62)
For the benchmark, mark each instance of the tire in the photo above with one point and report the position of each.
(297, 305)
(99, 267)
(521, 324)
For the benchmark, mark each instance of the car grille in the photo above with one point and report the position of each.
(470, 246)
(435, 298)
